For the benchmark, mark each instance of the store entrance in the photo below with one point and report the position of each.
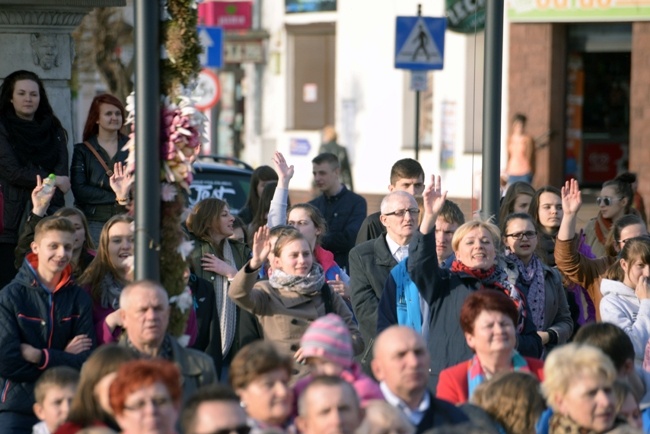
(598, 102)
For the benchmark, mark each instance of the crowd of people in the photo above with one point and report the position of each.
(313, 317)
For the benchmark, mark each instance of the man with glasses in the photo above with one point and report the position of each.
(214, 409)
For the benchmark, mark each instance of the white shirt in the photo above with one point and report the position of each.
(414, 416)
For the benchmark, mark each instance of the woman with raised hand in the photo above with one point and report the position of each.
(574, 265)
(32, 143)
(94, 162)
(541, 284)
(615, 200)
(475, 268)
(295, 294)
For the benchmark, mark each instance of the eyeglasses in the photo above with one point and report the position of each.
(156, 402)
(241, 429)
(402, 212)
(606, 200)
(520, 235)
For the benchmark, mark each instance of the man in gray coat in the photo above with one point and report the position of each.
(144, 311)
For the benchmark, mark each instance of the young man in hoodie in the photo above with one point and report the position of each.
(45, 321)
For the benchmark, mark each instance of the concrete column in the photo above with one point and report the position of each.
(36, 35)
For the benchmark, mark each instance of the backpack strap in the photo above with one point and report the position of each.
(109, 172)
(326, 294)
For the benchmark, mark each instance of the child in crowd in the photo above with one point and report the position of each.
(53, 393)
(326, 347)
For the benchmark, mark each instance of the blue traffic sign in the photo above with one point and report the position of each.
(211, 39)
(419, 43)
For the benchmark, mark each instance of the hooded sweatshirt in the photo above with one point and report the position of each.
(620, 306)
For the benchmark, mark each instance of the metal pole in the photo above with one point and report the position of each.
(417, 109)
(147, 139)
(490, 193)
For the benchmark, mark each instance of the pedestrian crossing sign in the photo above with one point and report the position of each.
(419, 42)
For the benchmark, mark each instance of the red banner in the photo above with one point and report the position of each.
(231, 15)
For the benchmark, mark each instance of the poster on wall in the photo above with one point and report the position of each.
(297, 6)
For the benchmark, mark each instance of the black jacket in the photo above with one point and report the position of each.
(18, 179)
(89, 181)
(30, 314)
(371, 228)
(208, 337)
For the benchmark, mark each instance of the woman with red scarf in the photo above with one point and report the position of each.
(615, 201)
(445, 291)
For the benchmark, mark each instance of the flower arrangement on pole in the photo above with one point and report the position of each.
(182, 134)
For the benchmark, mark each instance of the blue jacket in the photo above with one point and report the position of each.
(31, 314)
(344, 213)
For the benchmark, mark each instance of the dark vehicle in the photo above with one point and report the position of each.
(224, 178)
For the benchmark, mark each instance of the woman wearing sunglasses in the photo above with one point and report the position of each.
(574, 265)
(615, 201)
(541, 284)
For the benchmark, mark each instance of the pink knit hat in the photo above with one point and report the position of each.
(329, 338)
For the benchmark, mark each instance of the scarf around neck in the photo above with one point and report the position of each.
(33, 141)
(308, 285)
(110, 290)
(602, 228)
(532, 275)
(476, 375)
(496, 278)
(225, 306)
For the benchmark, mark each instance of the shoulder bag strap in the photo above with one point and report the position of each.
(109, 172)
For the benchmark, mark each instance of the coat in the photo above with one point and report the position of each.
(454, 387)
(557, 316)
(445, 293)
(621, 306)
(285, 315)
(581, 270)
(370, 229)
(90, 183)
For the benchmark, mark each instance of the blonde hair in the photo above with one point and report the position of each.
(569, 362)
(465, 228)
(513, 399)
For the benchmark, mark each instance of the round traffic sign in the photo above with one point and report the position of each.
(207, 91)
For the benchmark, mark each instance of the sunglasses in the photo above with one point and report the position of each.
(606, 200)
(520, 235)
(241, 429)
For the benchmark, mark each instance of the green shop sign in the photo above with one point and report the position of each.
(549, 11)
(466, 16)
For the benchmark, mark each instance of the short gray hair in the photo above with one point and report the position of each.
(394, 194)
(141, 284)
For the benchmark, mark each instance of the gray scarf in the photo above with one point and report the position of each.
(110, 292)
(308, 285)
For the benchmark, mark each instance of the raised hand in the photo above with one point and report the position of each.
(40, 202)
(434, 199)
(571, 197)
(121, 181)
(285, 172)
(642, 289)
(339, 287)
(261, 247)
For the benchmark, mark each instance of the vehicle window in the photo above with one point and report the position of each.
(231, 187)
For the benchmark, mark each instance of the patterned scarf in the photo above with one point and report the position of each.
(532, 275)
(476, 375)
(110, 290)
(495, 278)
(602, 228)
(308, 285)
(561, 424)
(225, 306)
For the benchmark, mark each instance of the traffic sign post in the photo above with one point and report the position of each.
(211, 39)
(419, 46)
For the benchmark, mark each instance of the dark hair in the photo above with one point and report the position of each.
(239, 224)
(623, 188)
(261, 174)
(515, 216)
(482, 300)
(635, 249)
(519, 117)
(315, 216)
(534, 204)
(610, 339)
(261, 215)
(614, 236)
(102, 264)
(91, 128)
(44, 109)
(53, 223)
(509, 199)
(405, 168)
(328, 158)
(132, 376)
(212, 392)
(328, 381)
(451, 213)
(58, 376)
(628, 177)
(106, 359)
(202, 218)
(68, 211)
(255, 359)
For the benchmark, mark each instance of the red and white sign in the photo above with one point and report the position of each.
(207, 92)
(231, 15)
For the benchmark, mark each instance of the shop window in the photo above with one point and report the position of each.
(311, 76)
